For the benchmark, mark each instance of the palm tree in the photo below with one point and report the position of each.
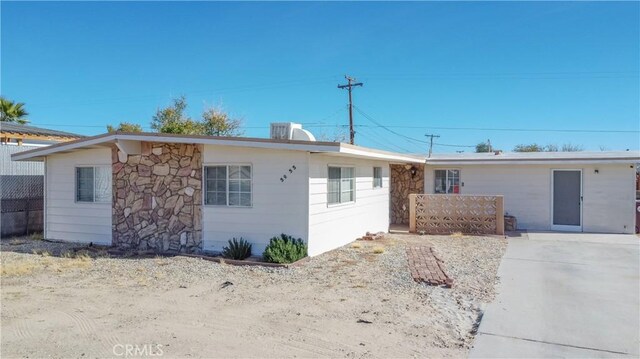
(12, 111)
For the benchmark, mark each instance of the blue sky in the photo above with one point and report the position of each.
(426, 68)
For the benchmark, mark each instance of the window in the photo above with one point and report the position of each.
(377, 177)
(447, 181)
(93, 184)
(341, 185)
(228, 186)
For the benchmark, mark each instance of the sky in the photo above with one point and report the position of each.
(512, 73)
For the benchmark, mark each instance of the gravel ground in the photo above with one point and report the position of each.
(348, 302)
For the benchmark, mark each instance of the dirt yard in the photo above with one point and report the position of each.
(350, 302)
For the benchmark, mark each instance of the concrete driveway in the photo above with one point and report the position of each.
(565, 295)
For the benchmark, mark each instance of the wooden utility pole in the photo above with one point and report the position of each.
(350, 84)
(431, 143)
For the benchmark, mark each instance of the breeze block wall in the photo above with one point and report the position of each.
(157, 198)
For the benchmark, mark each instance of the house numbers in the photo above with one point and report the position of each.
(290, 172)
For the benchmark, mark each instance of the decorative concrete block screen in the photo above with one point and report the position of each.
(445, 214)
(157, 198)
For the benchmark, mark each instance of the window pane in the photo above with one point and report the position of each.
(440, 181)
(234, 199)
(103, 184)
(333, 185)
(245, 172)
(234, 185)
(216, 185)
(377, 177)
(245, 185)
(84, 184)
(234, 172)
(245, 199)
(334, 172)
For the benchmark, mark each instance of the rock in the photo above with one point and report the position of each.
(127, 212)
(147, 201)
(174, 164)
(171, 202)
(154, 203)
(137, 205)
(193, 173)
(141, 181)
(144, 170)
(161, 169)
(188, 151)
(179, 205)
(184, 171)
(122, 227)
(185, 161)
(183, 238)
(117, 167)
(189, 191)
(186, 219)
(147, 231)
(134, 159)
(157, 151)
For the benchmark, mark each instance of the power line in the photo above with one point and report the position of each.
(519, 129)
(386, 128)
(431, 137)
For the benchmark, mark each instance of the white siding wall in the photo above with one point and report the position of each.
(278, 207)
(331, 226)
(608, 196)
(64, 218)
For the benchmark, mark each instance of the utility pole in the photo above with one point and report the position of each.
(350, 84)
(431, 143)
(489, 143)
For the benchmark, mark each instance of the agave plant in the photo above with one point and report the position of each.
(238, 249)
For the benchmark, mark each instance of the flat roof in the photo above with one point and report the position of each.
(15, 128)
(535, 157)
(107, 139)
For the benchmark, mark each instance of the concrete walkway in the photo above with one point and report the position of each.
(565, 295)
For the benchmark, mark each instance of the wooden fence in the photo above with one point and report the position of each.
(445, 214)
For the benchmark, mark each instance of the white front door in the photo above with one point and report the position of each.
(566, 200)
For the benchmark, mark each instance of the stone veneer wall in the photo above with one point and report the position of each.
(157, 198)
(402, 185)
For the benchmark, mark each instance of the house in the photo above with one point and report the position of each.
(568, 191)
(22, 182)
(192, 193)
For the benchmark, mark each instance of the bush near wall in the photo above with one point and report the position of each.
(285, 249)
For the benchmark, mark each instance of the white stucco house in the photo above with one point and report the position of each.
(193, 193)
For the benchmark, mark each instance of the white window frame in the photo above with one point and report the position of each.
(227, 165)
(75, 184)
(381, 178)
(447, 179)
(355, 177)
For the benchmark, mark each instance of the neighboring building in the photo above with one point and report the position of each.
(192, 193)
(21, 183)
(572, 191)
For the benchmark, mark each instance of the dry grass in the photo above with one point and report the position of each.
(45, 261)
(378, 250)
(457, 235)
(356, 245)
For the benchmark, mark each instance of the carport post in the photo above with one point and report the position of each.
(499, 215)
(412, 213)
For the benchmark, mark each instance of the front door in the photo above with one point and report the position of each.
(566, 206)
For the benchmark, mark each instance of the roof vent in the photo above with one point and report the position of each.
(290, 131)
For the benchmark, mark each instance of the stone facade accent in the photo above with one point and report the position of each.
(426, 267)
(157, 198)
(403, 183)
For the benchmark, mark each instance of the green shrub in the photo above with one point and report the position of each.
(237, 249)
(285, 249)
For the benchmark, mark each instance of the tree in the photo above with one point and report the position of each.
(172, 119)
(483, 147)
(12, 111)
(216, 122)
(125, 127)
(568, 147)
(534, 147)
